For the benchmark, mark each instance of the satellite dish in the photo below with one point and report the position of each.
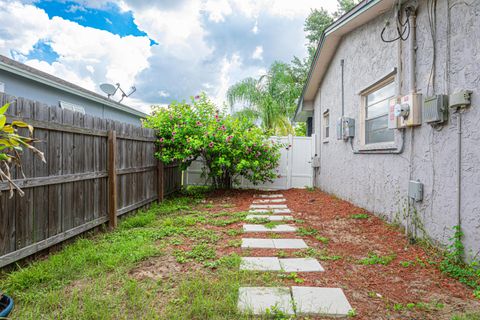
(108, 88)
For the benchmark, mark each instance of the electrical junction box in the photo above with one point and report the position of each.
(392, 118)
(409, 110)
(316, 162)
(460, 99)
(415, 190)
(345, 128)
(435, 109)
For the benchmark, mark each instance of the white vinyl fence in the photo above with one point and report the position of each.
(295, 168)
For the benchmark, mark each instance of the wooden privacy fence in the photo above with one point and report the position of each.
(97, 169)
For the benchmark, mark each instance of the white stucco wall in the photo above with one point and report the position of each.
(378, 182)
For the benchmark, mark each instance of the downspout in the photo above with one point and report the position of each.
(342, 64)
(459, 126)
(413, 89)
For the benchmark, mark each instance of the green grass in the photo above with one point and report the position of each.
(93, 278)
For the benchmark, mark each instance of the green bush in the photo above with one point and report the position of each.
(230, 147)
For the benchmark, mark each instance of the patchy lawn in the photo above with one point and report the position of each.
(180, 260)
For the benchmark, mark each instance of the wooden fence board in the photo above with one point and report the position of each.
(69, 194)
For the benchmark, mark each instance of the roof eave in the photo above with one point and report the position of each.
(48, 82)
(329, 41)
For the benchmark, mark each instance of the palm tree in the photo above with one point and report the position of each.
(268, 100)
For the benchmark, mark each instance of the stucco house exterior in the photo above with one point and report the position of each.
(408, 147)
(20, 80)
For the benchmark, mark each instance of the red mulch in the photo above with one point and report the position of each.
(371, 289)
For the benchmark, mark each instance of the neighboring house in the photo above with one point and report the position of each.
(20, 80)
(439, 55)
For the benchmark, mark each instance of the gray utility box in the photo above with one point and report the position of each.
(435, 109)
(345, 128)
(415, 190)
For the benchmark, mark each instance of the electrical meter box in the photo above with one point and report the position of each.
(435, 109)
(392, 118)
(409, 110)
(345, 128)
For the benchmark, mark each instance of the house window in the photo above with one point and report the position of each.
(72, 107)
(376, 113)
(326, 124)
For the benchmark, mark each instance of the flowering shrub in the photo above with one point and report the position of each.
(231, 147)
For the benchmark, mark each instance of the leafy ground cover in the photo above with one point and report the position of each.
(180, 260)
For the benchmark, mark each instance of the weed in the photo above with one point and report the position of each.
(272, 224)
(292, 276)
(423, 306)
(281, 254)
(352, 313)
(274, 313)
(453, 265)
(231, 261)
(299, 221)
(467, 316)
(319, 254)
(373, 258)
(234, 243)
(322, 239)
(310, 189)
(304, 232)
(234, 232)
(259, 220)
(199, 253)
(359, 216)
(407, 264)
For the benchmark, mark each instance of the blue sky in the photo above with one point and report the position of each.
(169, 49)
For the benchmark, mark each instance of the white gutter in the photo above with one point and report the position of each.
(51, 83)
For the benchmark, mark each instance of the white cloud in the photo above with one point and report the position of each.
(217, 9)
(87, 56)
(255, 27)
(163, 94)
(190, 56)
(258, 53)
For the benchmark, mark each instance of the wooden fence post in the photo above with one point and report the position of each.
(112, 179)
(161, 178)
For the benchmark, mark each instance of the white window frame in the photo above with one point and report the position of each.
(326, 132)
(363, 113)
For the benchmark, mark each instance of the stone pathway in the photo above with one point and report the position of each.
(290, 300)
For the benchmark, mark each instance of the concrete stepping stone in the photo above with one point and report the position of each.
(257, 243)
(269, 217)
(273, 211)
(273, 243)
(262, 228)
(283, 265)
(260, 264)
(300, 265)
(320, 301)
(289, 244)
(269, 200)
(269, 196)
(268, 206)
(258, 300)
